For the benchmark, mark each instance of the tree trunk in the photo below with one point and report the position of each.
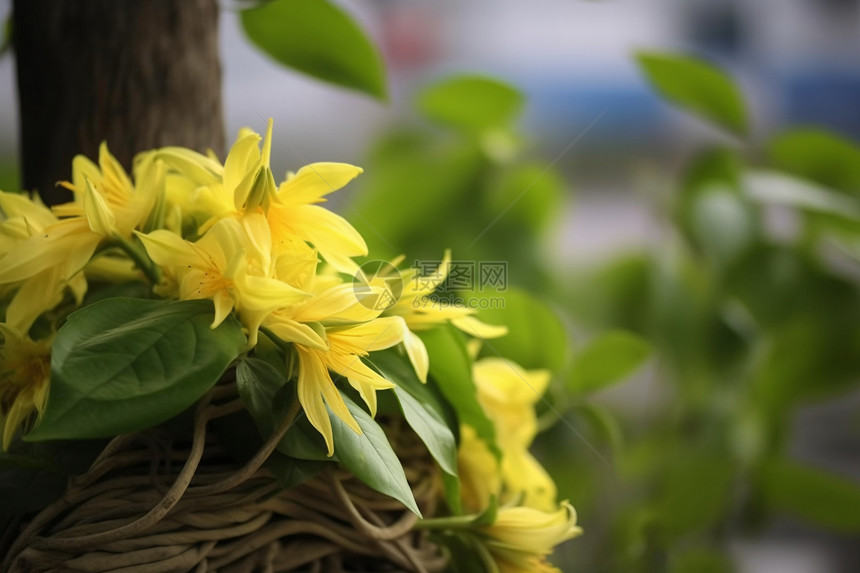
(138, 74)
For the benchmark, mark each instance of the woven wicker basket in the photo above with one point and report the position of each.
(153, 502)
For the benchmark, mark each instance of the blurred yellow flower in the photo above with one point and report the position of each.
(480, 479)
(25, 371)
(421, 312)
(40, 257)
(521, 537)
(106, 198)
(508, 394)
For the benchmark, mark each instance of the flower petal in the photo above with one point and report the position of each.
(315, 180)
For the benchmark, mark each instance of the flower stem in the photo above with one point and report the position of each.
(140, 259)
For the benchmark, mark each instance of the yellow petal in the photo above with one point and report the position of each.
(523, 474)
(196, 166)
(291, 331)
(243, 156)
(36, 295)
(314, 181)
(68, 244)
(417, 353)
(335, 239)
(168, 249)
(113, 174)
(82, 170)
(99, 215)
(478, 329)
(315, 391)
(223, 306)
(13, 205)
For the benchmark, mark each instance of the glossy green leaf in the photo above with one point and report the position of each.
(451, 370)
(821, 497)
(304, 442)
(471, 102)
(124, 364)
(258, 383)
(420, 409)
(697, 86)
(536, 336)
(820, 156)
(609, 358)
(320, 39)
(370, 457)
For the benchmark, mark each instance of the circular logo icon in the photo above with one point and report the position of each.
(377, 285)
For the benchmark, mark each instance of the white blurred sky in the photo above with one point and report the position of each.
(572, 58)
(545, 46)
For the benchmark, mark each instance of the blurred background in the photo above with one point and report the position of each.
(736, 446)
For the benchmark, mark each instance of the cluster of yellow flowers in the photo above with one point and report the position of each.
(532, 522)
(271, 255)
(227, 233)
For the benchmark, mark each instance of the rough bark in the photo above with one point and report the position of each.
(135, 73)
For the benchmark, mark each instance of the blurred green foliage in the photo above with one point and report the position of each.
(9, 181)
(462, 178)
(317, 38)
(749, 324)
(741, 324)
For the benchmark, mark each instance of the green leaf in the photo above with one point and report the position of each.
(700, 560)
(304, 442)
(258, 383)
(604, 423)
(773, 187)
(821, 497)
(420, 409)
(698, 87)
(722, 223)
(536, 191)
(473, 103)
(451, 370)
(607, 359)
(318, 38)
(290, 472)
(124, 364)
(536, 336)
(370, 457)
(820, 156)
(682, 507)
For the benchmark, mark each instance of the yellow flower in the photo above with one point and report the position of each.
(420, 312)
(231, 265)
(198, 185)
(25, 370)
(521, 537)
(106, 198)
(508, 394)
(295, 215)
(332, 332)
(40, 257)
(479, 471)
